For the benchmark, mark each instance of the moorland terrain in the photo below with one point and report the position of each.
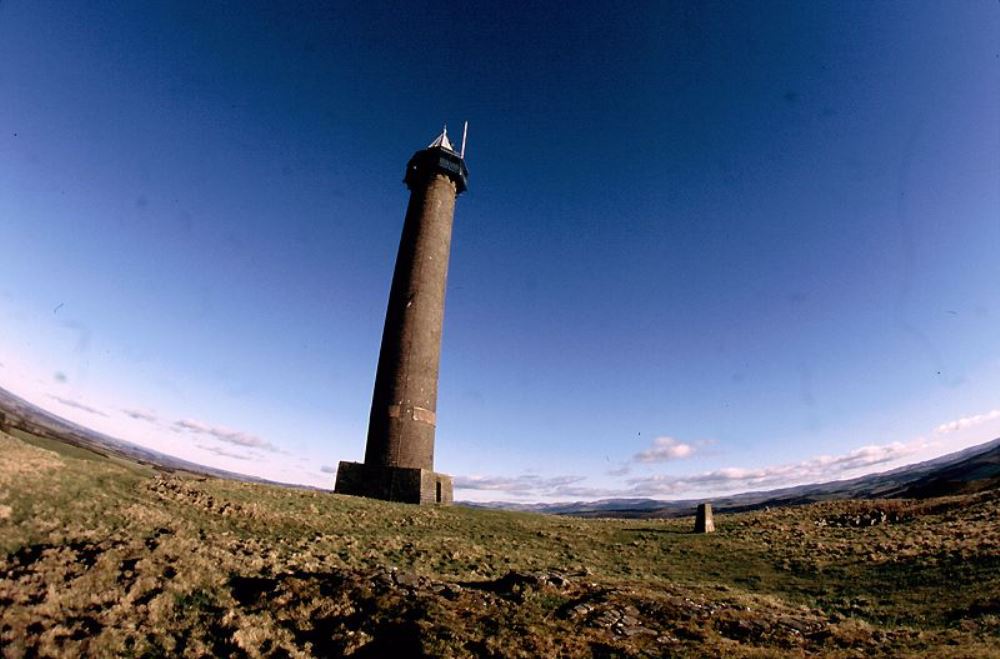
(102, 556)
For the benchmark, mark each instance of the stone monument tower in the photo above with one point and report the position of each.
(399, 457)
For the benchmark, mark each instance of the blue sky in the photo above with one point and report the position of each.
(707, 247)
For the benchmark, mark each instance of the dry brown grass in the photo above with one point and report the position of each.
(97, 558)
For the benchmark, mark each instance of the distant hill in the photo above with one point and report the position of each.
(18, 414)
(972, 470)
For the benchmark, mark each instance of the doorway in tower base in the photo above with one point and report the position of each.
(438, 492)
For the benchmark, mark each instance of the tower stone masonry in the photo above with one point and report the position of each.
(399, 456)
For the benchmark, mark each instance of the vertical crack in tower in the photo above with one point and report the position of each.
(399, 456)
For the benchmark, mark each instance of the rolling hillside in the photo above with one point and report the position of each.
(100, 557)
(972, 470)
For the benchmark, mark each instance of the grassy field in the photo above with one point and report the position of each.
(103, 557)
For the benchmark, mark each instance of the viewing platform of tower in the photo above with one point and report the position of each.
(399, 455)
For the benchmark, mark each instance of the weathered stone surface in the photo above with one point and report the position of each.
(703, 522)
(401, 426)
(403, 415)
(394, 483)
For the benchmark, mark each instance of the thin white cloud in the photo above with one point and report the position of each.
(76, 405)
(140, 415)
(224, 434)
(224, 453)
(967, 422)
(623, 470)
(665, 449)
(524, 485)
(730, 479)
(327, 469)
(818, 469)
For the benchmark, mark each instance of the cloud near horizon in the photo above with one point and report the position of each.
(524, 485)
(221, 452)
(664, 449)
(822, 468)
(140, 415)
(726, 480)
(197, 428)
(221, 434)
(76, 405)
(967, 422)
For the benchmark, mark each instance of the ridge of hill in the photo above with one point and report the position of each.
(22, 415)
(971, 470)
(968, 471)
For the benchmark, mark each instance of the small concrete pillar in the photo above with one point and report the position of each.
(703, 522)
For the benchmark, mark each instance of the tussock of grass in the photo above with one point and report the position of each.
(98, 557)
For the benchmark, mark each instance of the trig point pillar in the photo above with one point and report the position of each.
(399, 457)
(703, 522)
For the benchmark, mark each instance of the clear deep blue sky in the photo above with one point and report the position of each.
(706, 246)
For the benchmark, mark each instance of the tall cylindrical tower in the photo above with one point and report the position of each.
(399, 457)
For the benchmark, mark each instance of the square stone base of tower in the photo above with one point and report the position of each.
(394, 483)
